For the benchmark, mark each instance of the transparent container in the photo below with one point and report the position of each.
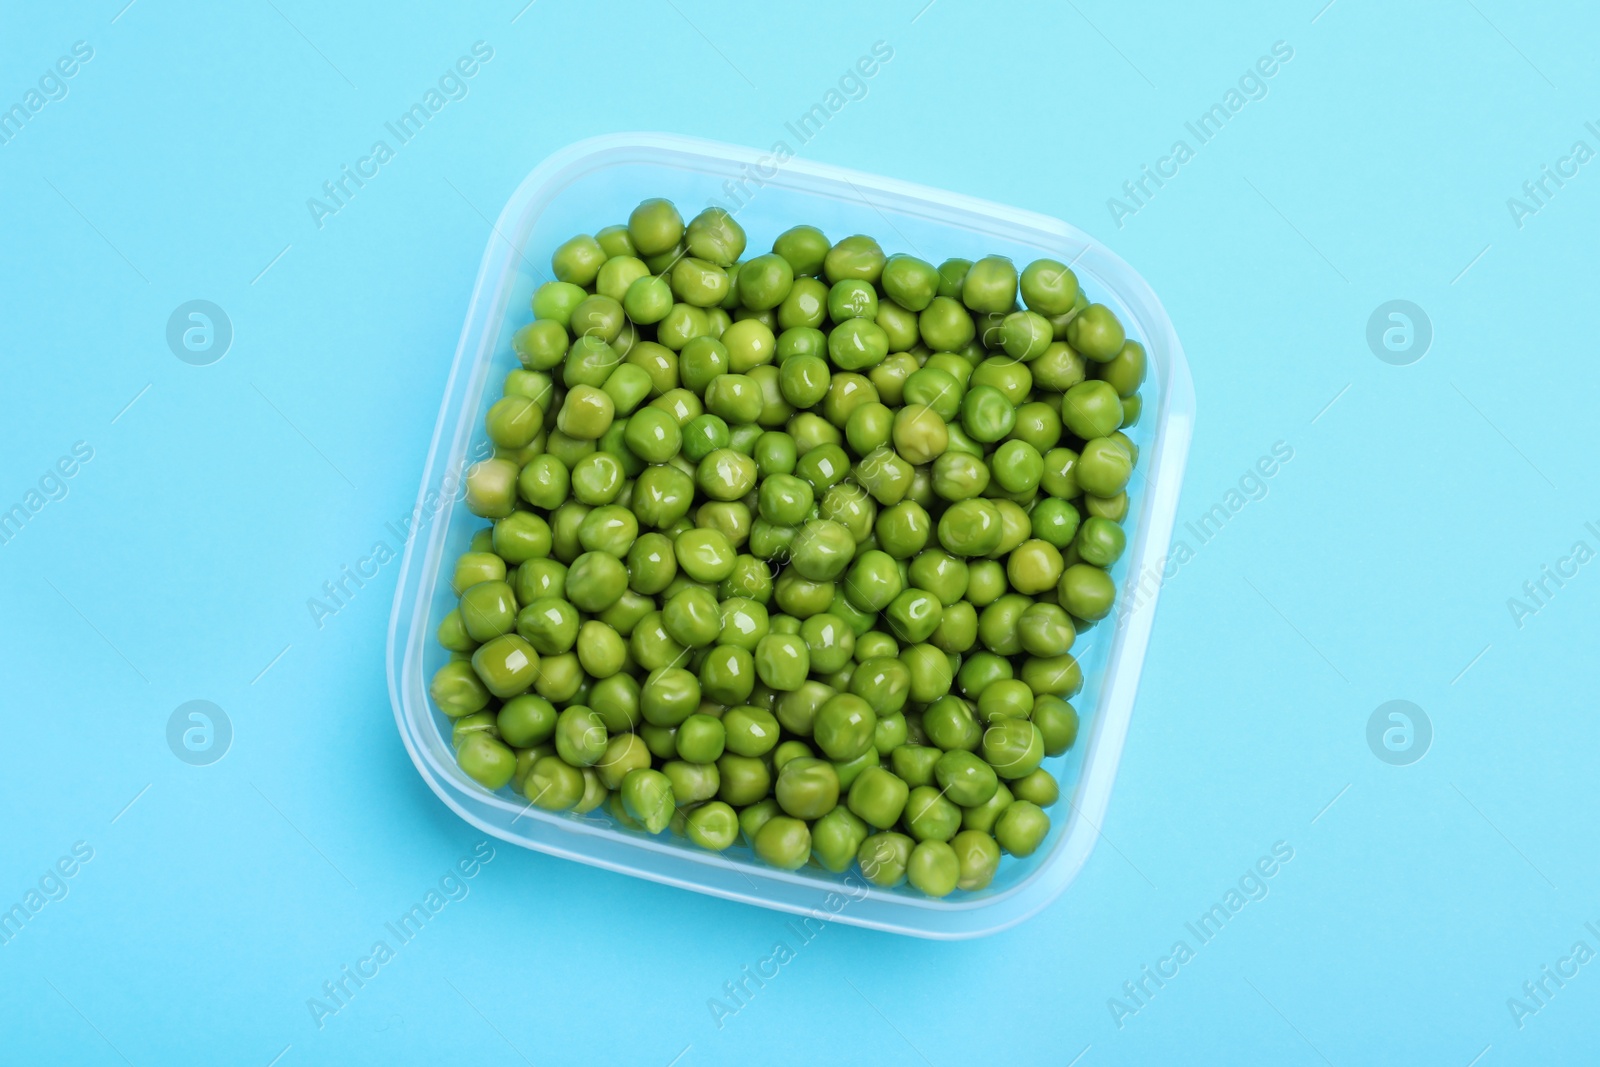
(598, 182)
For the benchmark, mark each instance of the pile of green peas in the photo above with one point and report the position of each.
(793, 549)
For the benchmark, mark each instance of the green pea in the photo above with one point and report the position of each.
(1132, 406)
(1021, 828)
(857, 344)
(1055, 521)
(990, 285)
(823, 467)
(725, 474)
(844, 726)
(661, 740)
(873, 582)
(701, 361)
(940, 573)
(934, 868)
(578, 260)
(655, 227)
(936, 389)
(486, 761)
(982, 817)
(1049, 287)
(971, 528)
(713, 826)
(704, 555)
(986, 414)
(1045, 630)
(769, 541)
(1114, 508)
(804, 380)
(492, 488)
(805, 247)
(1091, 409)
(775, 453)
(920, 435)
(541, 344)
(736, 398)
(488, 610)
(670, 695)
(830, 644)
(931, 673)
(452, 633)
(615, 241)
(782, 661)
(899, 325)
(1018, 466)
(539, 578)
(910, 282)
(977, 857)
(750, 731)
(714, 235)
(784, 842)
(596, 580)
(553, 784)
(883, 682)
(1013, 747)
(555, 301)
(1057, 675)
(950, 724)
(647, 795)
(981, 670)
(1096, 333)
(965, 779)
(807, 788)
(852, 298)
(1104, 467)
(1039, 788)
(744, 779)
(703, 435)
(858, 257)
(822, 550)
(765, 281)
(750, 344)
(1100, 541)
(506, 664)
(580, 736)
(692, 783)
(1025, 335)
(1086, 591)
(959, 476)
(804, 309)
(610, 528)
(930, 815)
(586, 414)
(1006, 698)
(883, 858)
(914, 764)
(1124, 371)
(751, 578)
(1034, 567)
(1057, 722)
(727, 674)
(836, 839)
(616, 701)
(617, 275)
(598, 318)
(692, 616)
(744, 623)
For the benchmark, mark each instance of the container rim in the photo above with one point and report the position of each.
(1109, 719)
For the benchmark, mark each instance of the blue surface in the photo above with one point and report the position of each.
(1377, 566)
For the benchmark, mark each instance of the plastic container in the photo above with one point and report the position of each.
(597, 182)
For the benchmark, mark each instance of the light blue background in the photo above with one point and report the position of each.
(1378, 567)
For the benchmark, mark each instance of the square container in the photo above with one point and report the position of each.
(598, 182)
